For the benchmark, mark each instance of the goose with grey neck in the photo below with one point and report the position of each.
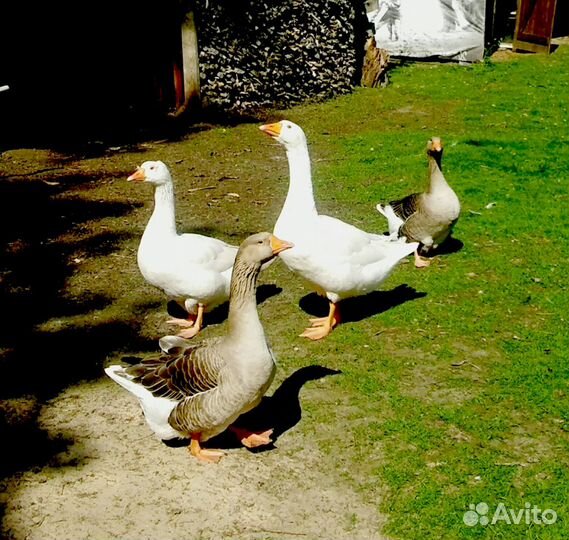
(198, 391)
(192, 269)
(339, 260)
(428, 217)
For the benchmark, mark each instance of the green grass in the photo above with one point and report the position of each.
(494, 428)
(456, 397)
(460, 395)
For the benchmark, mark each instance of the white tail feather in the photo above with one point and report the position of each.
(394, 222)
(399, 248)
(119, 375)
(156, 409)
(408, 248)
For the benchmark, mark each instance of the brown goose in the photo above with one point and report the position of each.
(198, 391)
(427, 218)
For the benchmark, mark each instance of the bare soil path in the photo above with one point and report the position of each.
(79, 461)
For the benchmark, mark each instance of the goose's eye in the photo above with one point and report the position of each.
(289, 126)
(259, 241)
(152, 168)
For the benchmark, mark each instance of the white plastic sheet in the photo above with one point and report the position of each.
(425, 28)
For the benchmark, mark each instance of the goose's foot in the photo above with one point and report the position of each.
(316, 333)
(193, 329)
(251, 439)
(258, 439)
(322, 326)
(420, 262)
(204, 454)
(183, 323)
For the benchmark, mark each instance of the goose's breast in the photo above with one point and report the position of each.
(169, 271)
(239, 391)
(444, 207)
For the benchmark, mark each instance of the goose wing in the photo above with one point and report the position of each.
(333, 244)
(407, 206)
(337, 236)
(177, 377)
(205, 251)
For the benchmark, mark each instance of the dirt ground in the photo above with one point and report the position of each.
(115, 480)
(80, 463)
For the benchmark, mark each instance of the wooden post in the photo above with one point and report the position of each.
(374, 72)
(191, 58)
(190, 64)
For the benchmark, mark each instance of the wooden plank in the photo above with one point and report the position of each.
(534, 25)
(528, 46)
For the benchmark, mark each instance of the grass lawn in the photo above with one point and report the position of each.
(455, 395)
(465, 391)
(462, 397)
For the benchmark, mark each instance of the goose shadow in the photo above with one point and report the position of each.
(361, 307)
(219, 314)
(449, 246)
(279, 412)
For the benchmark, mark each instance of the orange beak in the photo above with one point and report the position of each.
(274, 130)
(137, 176)
(279, 245)
(437, 145)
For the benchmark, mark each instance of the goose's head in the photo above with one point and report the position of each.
(154, 172)
(435, 147)
(260, 248)
(287, 133)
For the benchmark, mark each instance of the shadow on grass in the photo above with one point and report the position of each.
(449, 246)
(233, 237)
(279, 412)
(361, 307)
(93, 138)
(219, 314)
(43, 233)
(282, 411)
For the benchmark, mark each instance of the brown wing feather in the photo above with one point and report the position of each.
(177, 377)
(404, 208)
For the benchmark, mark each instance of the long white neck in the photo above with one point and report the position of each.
(300, 197)
(437, 180)
(163, 219)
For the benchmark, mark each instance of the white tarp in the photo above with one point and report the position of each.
(424, 28)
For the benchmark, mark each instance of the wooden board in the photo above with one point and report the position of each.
(534, 25)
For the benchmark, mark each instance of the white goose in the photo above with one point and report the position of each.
(339, 260)
(192, 269)
(426, 217)
(198, 391)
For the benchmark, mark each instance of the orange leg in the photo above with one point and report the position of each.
(251, 439)
(204, 454)
(193, 324)
(322, 326)
(420, 262)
